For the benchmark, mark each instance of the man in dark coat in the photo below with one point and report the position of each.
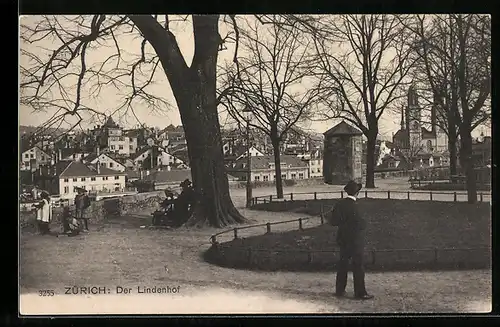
(350, 238)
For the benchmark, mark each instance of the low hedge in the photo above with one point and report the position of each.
(429, 230)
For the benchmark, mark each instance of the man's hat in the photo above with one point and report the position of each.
(352, 187)
(80, 189)
(186, 182)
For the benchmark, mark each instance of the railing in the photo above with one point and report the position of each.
(407, 195)
(299, 221)
(398, 195)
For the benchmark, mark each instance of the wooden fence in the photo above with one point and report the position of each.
(376, 194)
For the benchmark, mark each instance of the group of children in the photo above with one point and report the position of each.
(73, 224)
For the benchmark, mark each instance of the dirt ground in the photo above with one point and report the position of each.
(120, 253)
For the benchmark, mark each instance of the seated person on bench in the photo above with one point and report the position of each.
(185, 201)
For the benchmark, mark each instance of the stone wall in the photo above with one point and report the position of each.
(286, 182)
(110, 207)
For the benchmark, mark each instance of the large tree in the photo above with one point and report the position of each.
(47, 77)
(56, 52)
(455, 56)
(271, 81)
(362, 62)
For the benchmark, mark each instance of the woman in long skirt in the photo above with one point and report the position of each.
(44, 214)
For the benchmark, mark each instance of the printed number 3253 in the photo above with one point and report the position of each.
(46, 292)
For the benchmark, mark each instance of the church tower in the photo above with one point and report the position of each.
(414, 119)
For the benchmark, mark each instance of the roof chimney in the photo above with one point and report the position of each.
(97, 150)
(98, 167)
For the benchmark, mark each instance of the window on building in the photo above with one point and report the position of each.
(83, 179)
(112, 147)
(75, 179)
(32, 155)
(120, 147)
(27, 155)
(301, 175)
(131, 140)
(131, 147)
(117, 177)
(105, 178)
(103, 164)
(111, 165)
(43, 157)
(265, 178)
(257, 178)
(92, 179)
(66, 180)
(283, 176)
(66, 189)
(274, 177)
(294, 175)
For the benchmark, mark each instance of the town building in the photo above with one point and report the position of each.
(262, 168)
(315, 163)
(112, 136)
(65, 176)
(33, 157)
(104, 160)
(167, 159)
(413, 137)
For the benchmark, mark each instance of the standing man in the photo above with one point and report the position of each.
(350, 238)
(82, 202)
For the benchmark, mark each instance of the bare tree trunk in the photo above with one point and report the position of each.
(194, 89)
(452, 149)
(468, 164)
(370, 161)
(277, 167)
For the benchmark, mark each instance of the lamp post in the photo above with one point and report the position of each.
(248, 115)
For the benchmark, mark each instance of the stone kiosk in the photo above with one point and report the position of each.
(342, 154)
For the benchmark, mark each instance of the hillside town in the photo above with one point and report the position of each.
(109, 159)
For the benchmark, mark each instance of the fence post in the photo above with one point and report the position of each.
(341, 194)
(235, 233)
(268, 225)
(291, 196)
(454, 196)
(481, 197)
(300, 223)
(408, 193)
(270, 198)
(366, 194)
(321, 214)
(430, 195)
(315, 196)
(265, 201)
(388, 194)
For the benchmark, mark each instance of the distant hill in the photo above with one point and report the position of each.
(27, 130)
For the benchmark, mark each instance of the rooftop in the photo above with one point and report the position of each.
(79, 169)
(343, 128)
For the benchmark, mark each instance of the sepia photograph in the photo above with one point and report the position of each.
(254, 164)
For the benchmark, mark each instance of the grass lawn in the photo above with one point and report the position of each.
(413, 226)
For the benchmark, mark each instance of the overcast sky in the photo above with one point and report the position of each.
(106, 102)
